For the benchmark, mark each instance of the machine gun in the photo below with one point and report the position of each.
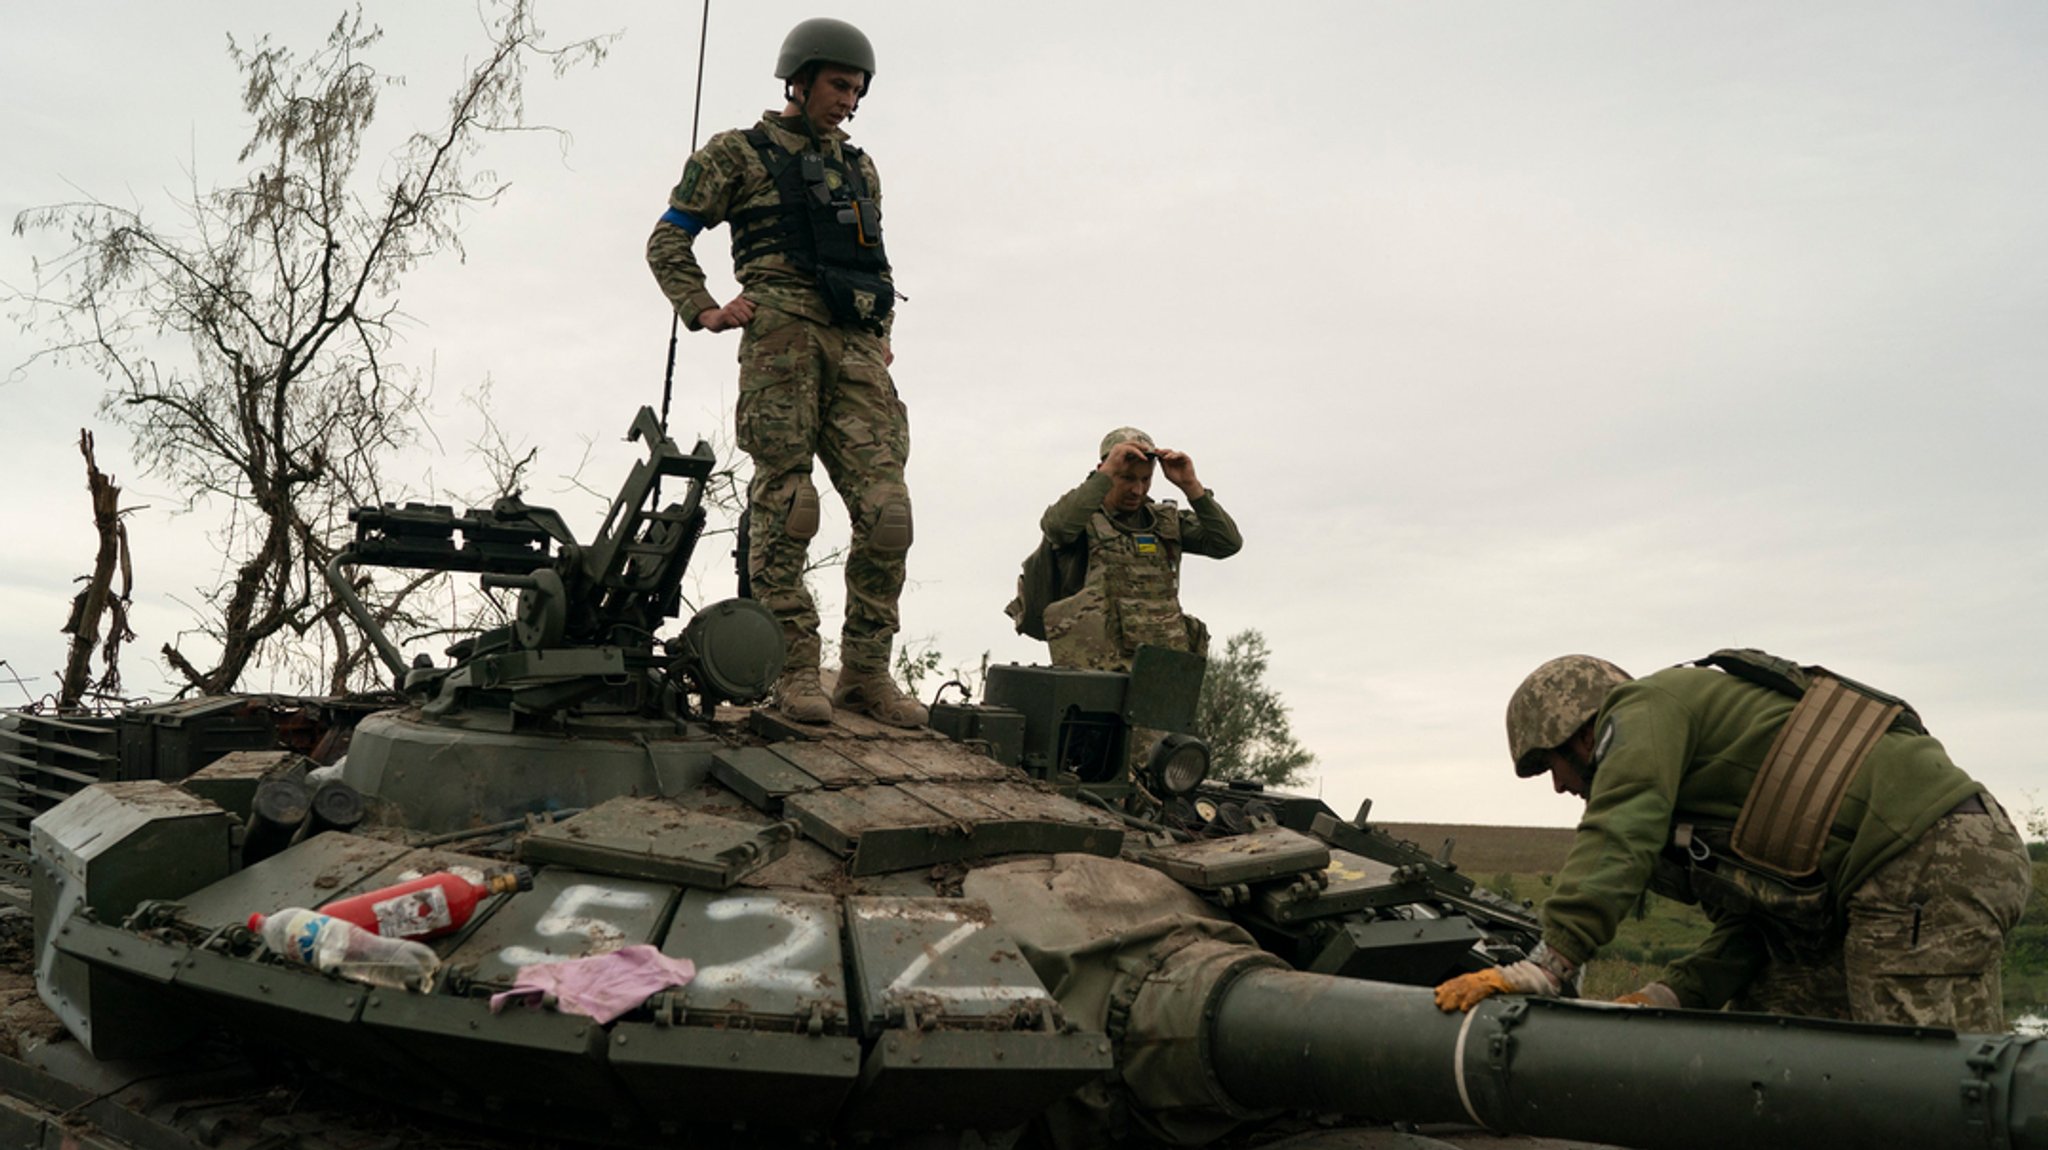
(584, 627)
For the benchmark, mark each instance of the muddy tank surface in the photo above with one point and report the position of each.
(1013, 929)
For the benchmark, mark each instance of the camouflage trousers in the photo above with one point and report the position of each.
(1925, 935)
(809, 391)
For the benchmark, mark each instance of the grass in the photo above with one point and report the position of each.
(2026, 952)
(1666, 930)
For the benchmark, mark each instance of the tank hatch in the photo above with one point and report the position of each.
(885, 828)
(1355, 883)
(660, 840)
(763, 1030)
(965, 1033)
(1265, 855)
(890, 801)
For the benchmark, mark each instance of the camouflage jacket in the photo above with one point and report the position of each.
(725, 176)
(1684, 745)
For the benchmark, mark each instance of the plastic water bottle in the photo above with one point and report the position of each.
(330, 944)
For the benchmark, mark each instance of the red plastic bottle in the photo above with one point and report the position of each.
(428, 906)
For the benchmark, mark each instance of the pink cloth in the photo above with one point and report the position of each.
(603, 986)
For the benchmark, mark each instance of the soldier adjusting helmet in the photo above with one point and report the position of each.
(1553, 703)
(823, 40)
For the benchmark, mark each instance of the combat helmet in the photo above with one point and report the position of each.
(1553, 703)
(823, 40)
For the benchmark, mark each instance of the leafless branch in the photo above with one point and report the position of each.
(248, 349)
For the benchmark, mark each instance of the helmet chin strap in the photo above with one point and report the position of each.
(1579, 749)
(801, 97)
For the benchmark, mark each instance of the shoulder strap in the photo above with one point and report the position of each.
(1760, 667)
(1799, 788)
(775, 228)
(774, 156)
(1166, 525)
(1789, 678)
(855, 179)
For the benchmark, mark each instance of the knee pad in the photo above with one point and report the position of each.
(802, 521)
(891, 534)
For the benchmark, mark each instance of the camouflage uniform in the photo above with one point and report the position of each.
(1904, 921)
(1132, 592)
(809, 388)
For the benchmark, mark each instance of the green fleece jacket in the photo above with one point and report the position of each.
(1685, 745)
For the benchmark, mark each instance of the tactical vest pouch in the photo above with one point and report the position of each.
(1700, 866)
(866, 217)
(1077, 633)
(1784, 822)
(856, 299)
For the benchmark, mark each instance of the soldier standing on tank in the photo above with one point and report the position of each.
(814, 311)
(1131, 592)
(1850, 870)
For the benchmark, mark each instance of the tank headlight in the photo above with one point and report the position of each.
(1178, 764)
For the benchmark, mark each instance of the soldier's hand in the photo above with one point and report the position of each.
(738, 313)
(1651, 994)
(1179, 470)
(1121, 456)
(1469, 990)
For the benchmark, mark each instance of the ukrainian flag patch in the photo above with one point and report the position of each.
(1147, 544)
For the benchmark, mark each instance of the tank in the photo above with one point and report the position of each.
(1035, 924)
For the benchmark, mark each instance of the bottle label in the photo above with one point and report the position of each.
(304, 939)
(413, 914)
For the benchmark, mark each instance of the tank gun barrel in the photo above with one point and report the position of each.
(1664, 1079)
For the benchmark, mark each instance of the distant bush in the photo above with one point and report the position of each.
(2028, 945)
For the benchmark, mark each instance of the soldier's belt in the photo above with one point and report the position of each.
(1784, 822)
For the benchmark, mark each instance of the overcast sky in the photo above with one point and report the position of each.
(1504, 330)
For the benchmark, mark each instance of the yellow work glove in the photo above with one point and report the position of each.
(1469, 990)
(1544, 973)
(1650, 994)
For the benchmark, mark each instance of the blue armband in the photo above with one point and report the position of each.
(683, 220)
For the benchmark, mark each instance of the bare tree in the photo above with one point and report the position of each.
(99, 600)
(284, 404)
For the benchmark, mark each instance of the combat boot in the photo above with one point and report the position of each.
(799, 697)
(874, 694)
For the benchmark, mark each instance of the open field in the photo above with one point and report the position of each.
(1481, 850)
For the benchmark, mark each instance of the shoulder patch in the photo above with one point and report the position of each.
(691, 173)
(1603, 741)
